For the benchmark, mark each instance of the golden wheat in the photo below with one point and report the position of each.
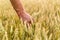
(46, 26)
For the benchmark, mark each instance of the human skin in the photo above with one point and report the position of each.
(17, 5)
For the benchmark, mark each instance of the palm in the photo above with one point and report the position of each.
(26, 17)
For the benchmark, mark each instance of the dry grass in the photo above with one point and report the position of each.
(46, 14)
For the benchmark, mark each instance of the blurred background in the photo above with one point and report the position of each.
(46, 26)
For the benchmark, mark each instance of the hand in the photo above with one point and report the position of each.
(26, 17)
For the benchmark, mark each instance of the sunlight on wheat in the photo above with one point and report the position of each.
(46, 26)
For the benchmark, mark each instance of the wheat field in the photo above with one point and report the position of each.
(46, 26)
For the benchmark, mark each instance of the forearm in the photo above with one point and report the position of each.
(17, 5)
(20, 10)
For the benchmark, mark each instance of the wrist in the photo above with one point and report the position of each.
(20, 13)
